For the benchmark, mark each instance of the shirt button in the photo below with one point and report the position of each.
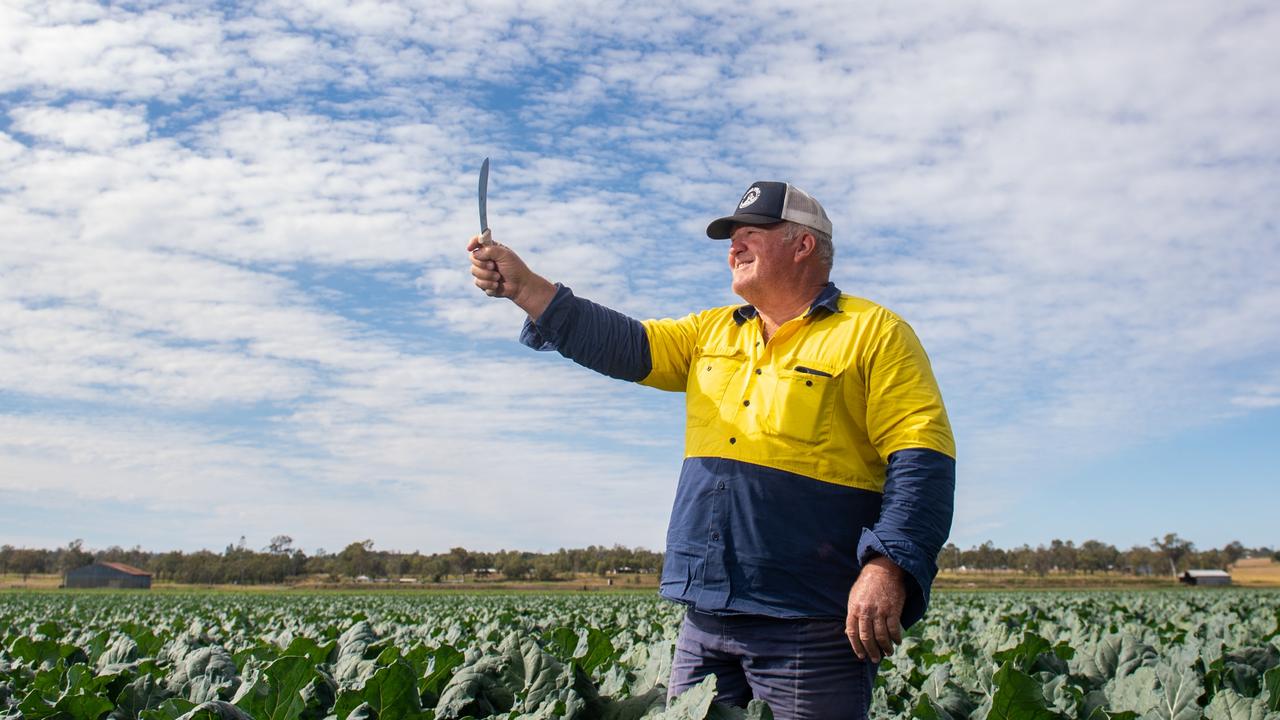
(733, 440)
(720, 485)
(757, 371)
(746, 403)
(715, 536)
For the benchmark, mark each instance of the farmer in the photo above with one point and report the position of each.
(817, 485)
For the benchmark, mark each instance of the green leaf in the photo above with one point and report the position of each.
(926, 709)
(391, 692)
(947, 695)
(481, 689)
(1230, 705)
(563, 643)
(204, 674)
(318, 696)
(440, 666)
(276, 692)
(148, 644)
(1179, 691)
(1137, 692)
(758, 710)
(1271, 688)
(45, 653)
(215, 710)
(694, 703)
(634, 708)
(82, 705)
(170, 709)
(594, 649)
(316, 652)
(144, 693)
(1018, 696)
(1116, 656)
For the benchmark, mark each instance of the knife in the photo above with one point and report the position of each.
(485, 236)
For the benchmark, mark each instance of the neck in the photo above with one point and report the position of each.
(774, 314)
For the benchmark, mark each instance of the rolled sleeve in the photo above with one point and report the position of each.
(915, 519)
(591, 335)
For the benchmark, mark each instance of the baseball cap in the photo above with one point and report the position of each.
(769, 203)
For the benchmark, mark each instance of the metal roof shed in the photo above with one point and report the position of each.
(108, 575)
(1206, 577)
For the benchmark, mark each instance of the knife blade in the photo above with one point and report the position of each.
(486, 236)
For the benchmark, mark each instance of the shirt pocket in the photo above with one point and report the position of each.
(713, 371)
(802, 400)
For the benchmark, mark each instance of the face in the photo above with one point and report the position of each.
(761, 260)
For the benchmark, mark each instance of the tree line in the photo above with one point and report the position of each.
(281, 562)
(1169, 555)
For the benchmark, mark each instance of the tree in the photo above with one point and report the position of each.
(74, 556)
(1098, 556)
(514, 565)
(1173, 548)
(24, 562)
(356, 559)
(949, 558)
(280, 545)
(1233, 551)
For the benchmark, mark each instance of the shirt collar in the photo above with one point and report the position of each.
(828, 299)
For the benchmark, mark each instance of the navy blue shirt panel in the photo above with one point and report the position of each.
(750, 539)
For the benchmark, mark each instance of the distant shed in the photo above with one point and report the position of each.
(1206, 577)
(108, 575)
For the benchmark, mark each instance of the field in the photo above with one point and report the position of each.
(1172, 654)
(1256, 572)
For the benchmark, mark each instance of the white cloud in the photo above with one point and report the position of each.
(211, 214)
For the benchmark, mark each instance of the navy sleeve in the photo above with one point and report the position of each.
(915, 519)
(591, 335)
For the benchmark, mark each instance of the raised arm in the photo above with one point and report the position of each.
(590, 334)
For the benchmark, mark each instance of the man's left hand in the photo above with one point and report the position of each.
(874, 622)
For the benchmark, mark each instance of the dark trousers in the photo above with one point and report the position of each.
(804, 669)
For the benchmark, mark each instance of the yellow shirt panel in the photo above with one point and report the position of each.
(831, 395)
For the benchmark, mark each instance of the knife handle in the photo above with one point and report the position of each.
(486, 237)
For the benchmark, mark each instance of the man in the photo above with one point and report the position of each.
(817, 485)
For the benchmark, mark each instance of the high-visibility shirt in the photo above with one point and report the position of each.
(789, 480)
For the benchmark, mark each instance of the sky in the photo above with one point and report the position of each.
(235, 299)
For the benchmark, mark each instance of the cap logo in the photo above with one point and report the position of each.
(752, 195)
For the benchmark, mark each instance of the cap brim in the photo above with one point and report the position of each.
(722, 228)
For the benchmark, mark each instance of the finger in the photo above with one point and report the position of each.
(883, 640)
(851, 631)
(476, 241)
(895, 629)
(486, 272)
(867, 634)
(492, 289)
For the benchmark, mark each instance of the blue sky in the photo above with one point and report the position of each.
(234, 299)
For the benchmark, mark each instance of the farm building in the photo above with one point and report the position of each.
(1206, 577)
(108, 575)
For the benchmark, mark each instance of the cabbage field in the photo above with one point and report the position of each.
(1175, 655)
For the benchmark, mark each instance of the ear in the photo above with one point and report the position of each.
(804, 247)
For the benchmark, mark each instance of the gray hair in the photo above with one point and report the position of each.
(824, 249)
